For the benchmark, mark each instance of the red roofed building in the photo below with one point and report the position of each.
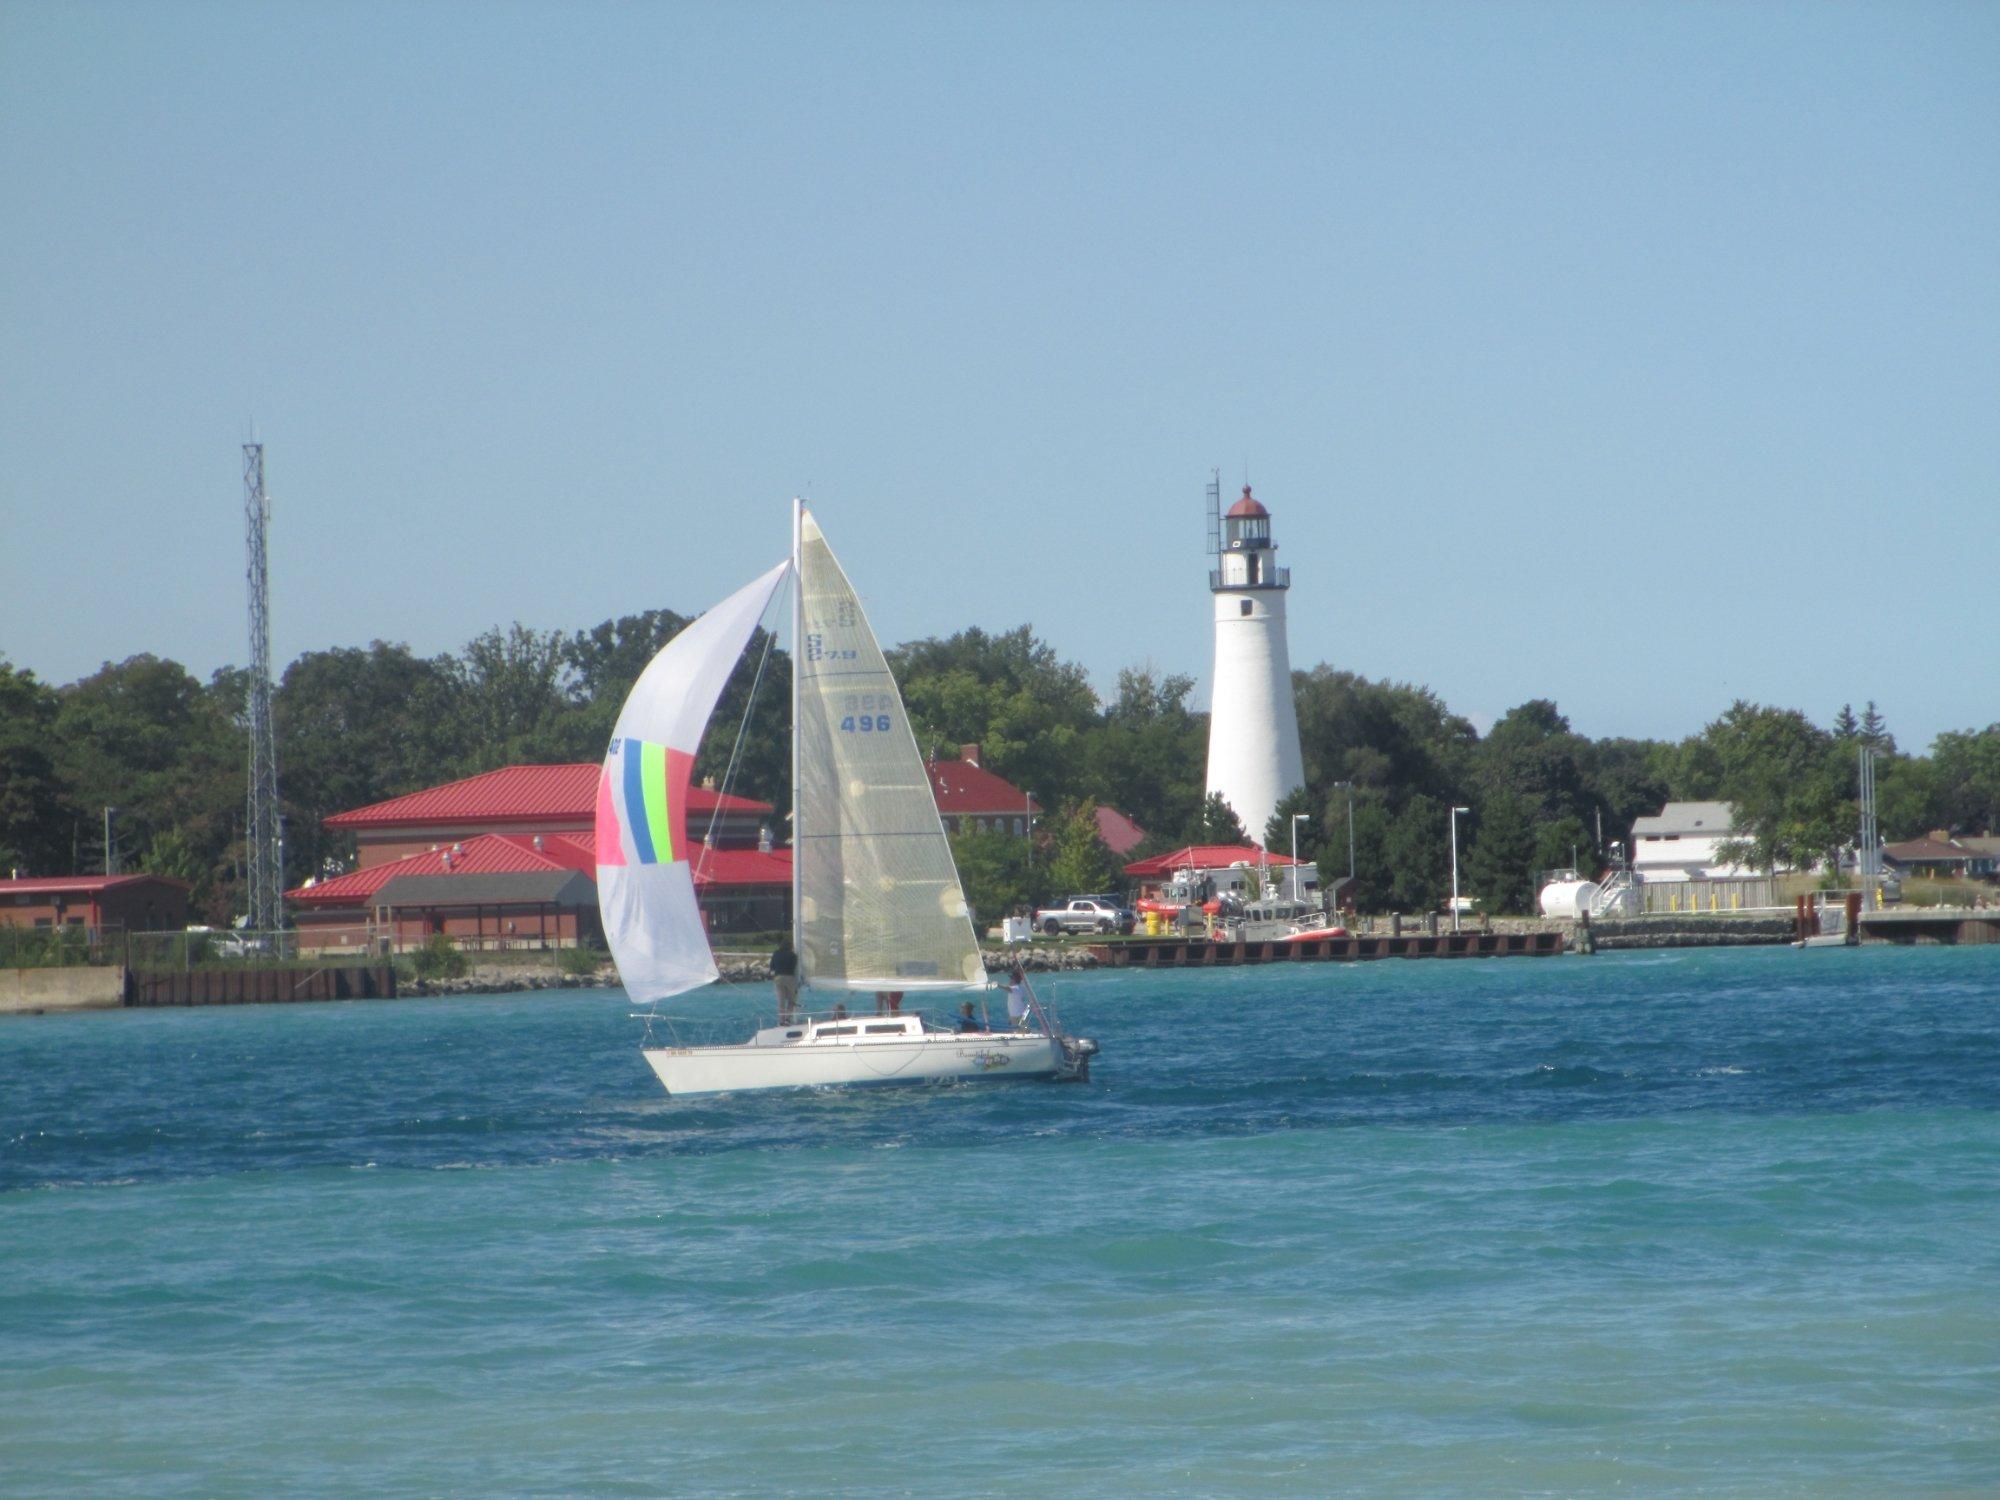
(971, 797)
(520, 799)
(1233, 868)
(136, 903)
(508, 858)
(501, 890)
(1117, 832)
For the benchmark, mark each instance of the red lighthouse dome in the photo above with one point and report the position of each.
(1248, 506)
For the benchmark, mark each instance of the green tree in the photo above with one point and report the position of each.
(357, 726)
(1875, 729)
(994, 869)
(1028, 711)
(1563, 843)
(36, 814)
(1532, 753)
(1910, 797)
(144, 736)
(1968, 777)
(1500, 865)
(1792, 788)
(1146, 755)
(1417, 853)
(515, 700)
(1218, 823)
(1312, 834)
(1079, 862)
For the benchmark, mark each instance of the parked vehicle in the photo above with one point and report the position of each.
(1086, 914)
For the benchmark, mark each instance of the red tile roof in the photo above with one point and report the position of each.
(1117, 832)
(516, 793)
(513, 853)
(965, 787)
(1205, 857)
(742, 867)
(30, 885)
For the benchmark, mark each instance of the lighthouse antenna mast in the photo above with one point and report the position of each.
(1215, 512)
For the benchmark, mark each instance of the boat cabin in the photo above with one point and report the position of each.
(842, 1030)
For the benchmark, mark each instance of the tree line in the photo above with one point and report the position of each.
(360, 724)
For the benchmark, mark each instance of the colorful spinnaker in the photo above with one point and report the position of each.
(645, 883)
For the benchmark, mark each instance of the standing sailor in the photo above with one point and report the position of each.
(1017, 999)
(785, 974)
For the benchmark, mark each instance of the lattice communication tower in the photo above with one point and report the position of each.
(263, 836)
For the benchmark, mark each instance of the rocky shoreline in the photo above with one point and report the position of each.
(496, 979)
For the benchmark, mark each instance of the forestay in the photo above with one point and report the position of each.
(645, 885)
(879, 906)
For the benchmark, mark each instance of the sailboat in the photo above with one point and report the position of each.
(876, 900)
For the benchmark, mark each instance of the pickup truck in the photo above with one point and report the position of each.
(1085, 914)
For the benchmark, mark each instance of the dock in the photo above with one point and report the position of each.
(259, 984)
(1930, 925)
(1200, 953)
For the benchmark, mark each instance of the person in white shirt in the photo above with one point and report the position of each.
(1017, 999)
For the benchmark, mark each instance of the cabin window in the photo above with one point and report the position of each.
(835, 1031)
(896, 1027)
(792, 1036)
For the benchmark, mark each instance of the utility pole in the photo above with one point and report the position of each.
(263, 841)
(1869, 854)
(110, 854)
(1454, 864)
(1348, 787)
(1297, 818)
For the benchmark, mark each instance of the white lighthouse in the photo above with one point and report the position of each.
(1253, 725)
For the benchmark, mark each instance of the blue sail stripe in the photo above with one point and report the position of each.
(635, 803)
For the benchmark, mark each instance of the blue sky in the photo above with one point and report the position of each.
(1638, 356)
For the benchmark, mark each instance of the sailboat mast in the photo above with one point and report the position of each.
(798, 660)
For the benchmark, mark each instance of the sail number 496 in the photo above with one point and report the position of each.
(861, 713)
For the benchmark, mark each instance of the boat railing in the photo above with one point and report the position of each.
(719, 1031)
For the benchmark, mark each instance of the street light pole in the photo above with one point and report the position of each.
(107, 840)
(1454, 864)
(1297, 818)
(1348, 787)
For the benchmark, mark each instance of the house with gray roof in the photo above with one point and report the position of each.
(1682, 842)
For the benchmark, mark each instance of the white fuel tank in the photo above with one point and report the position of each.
(1568, 898)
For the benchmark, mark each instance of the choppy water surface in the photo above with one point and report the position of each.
(1716, 1223)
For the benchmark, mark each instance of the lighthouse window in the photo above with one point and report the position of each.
(1247, 606)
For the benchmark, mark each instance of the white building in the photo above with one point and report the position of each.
(1253, 727)
(1682, 840)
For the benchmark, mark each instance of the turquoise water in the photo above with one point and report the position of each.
(1697, 1223)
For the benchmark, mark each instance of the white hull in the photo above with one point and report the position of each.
(929, 1058)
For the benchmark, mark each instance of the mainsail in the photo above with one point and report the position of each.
(877, 903)
(645, 885)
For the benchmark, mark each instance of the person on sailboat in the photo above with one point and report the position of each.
(785, 975)
(1017, 999)
(967, 1021)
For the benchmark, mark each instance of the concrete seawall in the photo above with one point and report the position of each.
(1689, 930)
(31, 992)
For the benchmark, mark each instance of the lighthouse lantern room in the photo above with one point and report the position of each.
(1253, 731)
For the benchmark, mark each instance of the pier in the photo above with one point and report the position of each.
(259, 984)
(1200, 953)
(1931, 925)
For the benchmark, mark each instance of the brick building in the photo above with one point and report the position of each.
(509, 859)
(95, 903)
(971, 797)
